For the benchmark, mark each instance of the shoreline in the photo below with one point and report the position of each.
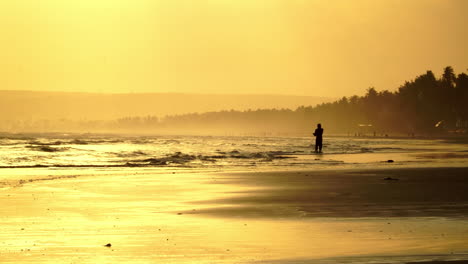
(78, 134)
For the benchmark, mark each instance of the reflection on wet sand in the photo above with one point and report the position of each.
(290, 217)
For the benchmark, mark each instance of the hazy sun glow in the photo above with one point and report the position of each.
(323, 48)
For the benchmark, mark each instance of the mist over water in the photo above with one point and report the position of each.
(222, 152)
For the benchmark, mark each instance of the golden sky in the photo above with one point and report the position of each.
(321, 48)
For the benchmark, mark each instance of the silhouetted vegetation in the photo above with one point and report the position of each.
(426, 105)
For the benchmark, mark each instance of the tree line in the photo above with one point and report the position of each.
(423, 106)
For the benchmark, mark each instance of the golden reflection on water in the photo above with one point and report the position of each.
(144, 216)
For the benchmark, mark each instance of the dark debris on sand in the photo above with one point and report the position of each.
(390, 179)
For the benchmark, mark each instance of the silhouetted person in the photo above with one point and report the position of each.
(318, 138)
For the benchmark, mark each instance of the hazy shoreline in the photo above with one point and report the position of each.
(450, 138)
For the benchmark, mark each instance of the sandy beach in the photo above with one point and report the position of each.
(177, 216)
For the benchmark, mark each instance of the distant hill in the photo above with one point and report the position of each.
(32, 105)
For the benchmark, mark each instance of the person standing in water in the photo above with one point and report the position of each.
(318, 138)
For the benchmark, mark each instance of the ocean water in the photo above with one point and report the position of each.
(88, 151)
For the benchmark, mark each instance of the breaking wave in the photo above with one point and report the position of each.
(46, 148)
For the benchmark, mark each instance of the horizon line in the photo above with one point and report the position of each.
(171, 93)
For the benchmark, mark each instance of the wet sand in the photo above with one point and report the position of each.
(165, 216)
(415, 192)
